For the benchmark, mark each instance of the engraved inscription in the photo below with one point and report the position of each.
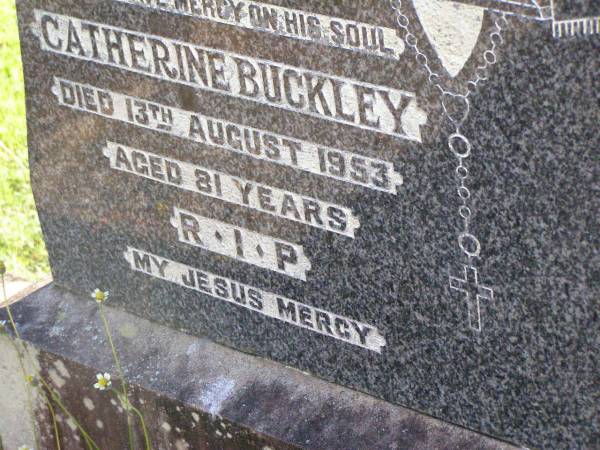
(211, 183)
(288, 22)
(325, 96)
(240, 244)
(260, 144)
(257, 300)
(329, 97)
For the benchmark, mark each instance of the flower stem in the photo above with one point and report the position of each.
(144, 429)
(20, 358)
(29, 396)
(56, 397)
(54, 422)
(7, 307)
(120, 372)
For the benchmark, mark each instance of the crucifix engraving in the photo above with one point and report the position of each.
(473, 293)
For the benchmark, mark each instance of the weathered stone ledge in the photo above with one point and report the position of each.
(196, 394)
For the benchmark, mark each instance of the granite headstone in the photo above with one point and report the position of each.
(401, 198)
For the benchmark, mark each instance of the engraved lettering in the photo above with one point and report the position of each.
(240, 244)
(263, 302)
(325, 96)
(292, 23)
(260, 144)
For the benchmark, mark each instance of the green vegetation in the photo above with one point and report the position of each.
(21, 244)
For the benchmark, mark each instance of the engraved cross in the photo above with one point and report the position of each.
(473, 292)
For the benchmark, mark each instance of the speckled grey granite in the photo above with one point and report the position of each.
(575, 9)
(530, 376)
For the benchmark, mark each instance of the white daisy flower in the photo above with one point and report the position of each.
(100, 296)
(103, 382)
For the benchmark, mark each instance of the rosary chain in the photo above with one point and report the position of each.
(459, 144)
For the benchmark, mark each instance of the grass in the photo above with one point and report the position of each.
(21, 245)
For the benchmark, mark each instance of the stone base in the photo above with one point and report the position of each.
(194, 394)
